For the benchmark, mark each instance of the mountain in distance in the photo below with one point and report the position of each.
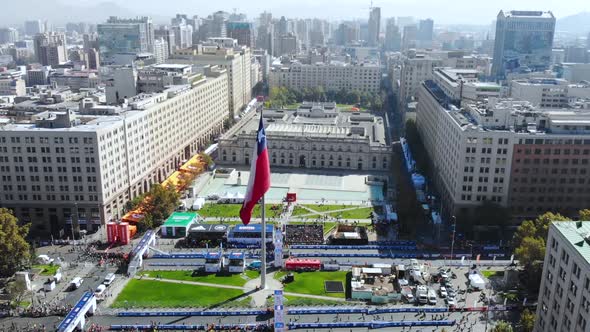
(58, 13)
(576, 24)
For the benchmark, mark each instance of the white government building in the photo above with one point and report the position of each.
(317, 135)
(363, 77)
(91, 160)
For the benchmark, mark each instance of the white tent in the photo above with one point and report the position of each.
(198, 203)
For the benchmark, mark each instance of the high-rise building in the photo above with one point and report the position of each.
(286, 44)
(34, 27)
(564, 295)
(523, 42)
(120, 35)
(302, 32)
(402, 21)
(393, 37)
(8, 35)
(317, 35)
(410, 36)
(51, 49)
(425, 32)
(265, 38)
(282, 28)
(161, 50)
(242, 32)
(168, 35)
(214, 26)
(93, 58)
(346, 33)
(183, 35)
(576, 54)
(374, 26)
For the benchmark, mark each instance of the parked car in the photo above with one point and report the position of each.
(108, 279)
(100, 289)
(443, 292)
(451, 302)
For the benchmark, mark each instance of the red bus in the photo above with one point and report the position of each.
(294, 264)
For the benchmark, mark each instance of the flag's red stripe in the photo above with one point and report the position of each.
(259, 188)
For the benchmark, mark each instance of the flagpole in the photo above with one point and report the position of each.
(263, 267)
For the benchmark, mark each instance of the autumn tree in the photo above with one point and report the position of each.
(14, 248)
(530, 241)
(502, 326)
(161, 203)
(527, 321)
(585, 214)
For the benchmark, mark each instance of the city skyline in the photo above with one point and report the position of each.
(458, 13)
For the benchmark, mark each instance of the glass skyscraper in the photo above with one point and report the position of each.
(125, 36)
(523, 43)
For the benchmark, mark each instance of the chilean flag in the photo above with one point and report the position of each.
(259, 181)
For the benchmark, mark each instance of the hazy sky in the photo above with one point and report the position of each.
(444, 11)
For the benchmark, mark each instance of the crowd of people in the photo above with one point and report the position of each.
(304, 234)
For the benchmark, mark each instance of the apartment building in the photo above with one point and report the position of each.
(564, 296)
(363, 77)
(501, 150)
(87, 164)
(227, 54)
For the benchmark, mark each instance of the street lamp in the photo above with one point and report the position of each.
(454, 226)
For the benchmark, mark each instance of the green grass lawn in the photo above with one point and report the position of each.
(47, 269)
(313, 282)
(233, 210)
(233, 280)
(293, 106)
(295, 301)
(158, 294)
(490, 274)
(360, 213)
(327, 207)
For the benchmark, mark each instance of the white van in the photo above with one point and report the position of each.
(109, 279)
(431, 297)
(76, 282)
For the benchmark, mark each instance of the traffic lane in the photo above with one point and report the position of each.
(93, 277)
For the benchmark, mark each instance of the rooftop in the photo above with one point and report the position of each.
(577, 233)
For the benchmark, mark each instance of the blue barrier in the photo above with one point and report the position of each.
(191, 313)
(183, 327)
(86, 297)
(363, 247)
(326, 311)
(370, 325)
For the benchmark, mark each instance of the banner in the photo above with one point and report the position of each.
(278, 242)
(279, 311)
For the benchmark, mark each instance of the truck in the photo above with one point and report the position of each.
(422, 294)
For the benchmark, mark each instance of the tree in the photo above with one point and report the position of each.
(147, 222)
(16, 291)
(527, 321)
(161, 203)
(13, 246)
(585, 214)
(530, 241)
(502, 326)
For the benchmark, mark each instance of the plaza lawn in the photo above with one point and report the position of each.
(233, 210)
(233, 280)
(360, 213)
(47, 269)
(159, 294)
(298, 211)
(327, 207)
(490, 274)
(313, 282)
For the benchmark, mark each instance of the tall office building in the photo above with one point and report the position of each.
(524, 40)
(564, 295)
(347, 33)
(302, 31)
(243, 32)
(265, 38)
(393, 37)
(168, 35)
(214, 26)
(286, 44)
(120, 35)
(374, 26)
(34, 27)
(8, 35)
(51, 49)
(183, 35)
(282, 28)
(410, 37)
(425, 32)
